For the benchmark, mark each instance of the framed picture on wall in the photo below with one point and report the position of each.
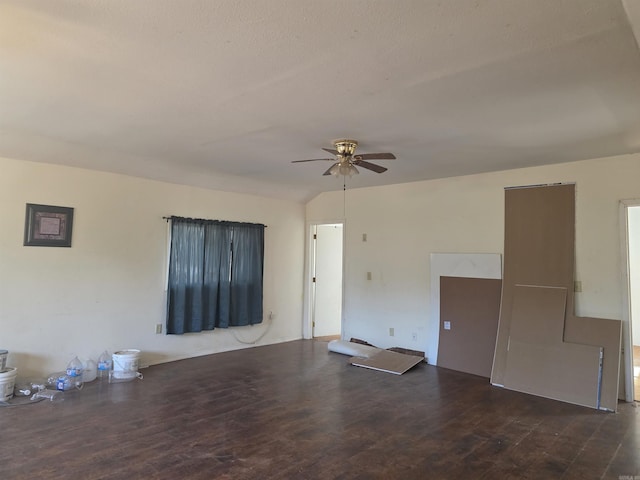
(48, 226)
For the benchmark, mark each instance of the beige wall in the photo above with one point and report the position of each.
(405, 223)
(107, 290)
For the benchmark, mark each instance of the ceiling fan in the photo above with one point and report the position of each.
(345, 161)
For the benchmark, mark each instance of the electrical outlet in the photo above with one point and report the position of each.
(414, 336)
(447, 325)
(391, 332)
(159, 328)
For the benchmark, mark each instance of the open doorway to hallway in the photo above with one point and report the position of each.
(326, 281)
(632, 344)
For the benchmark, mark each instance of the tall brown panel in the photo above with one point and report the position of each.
(538, 250)
(471, 306)
(537, 349)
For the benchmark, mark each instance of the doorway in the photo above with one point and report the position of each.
(326, 280)
(630, 221)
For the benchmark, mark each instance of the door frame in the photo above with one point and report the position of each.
(310, 258)
(627, 335)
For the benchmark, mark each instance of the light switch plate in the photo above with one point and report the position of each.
(447, 325)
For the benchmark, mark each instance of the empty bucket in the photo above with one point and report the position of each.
(7, 382)
(125, 364)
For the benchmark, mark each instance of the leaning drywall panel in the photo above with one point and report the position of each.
(471, 307)
(568, 372)
(538, 361)
(608, 334)
(538, 250)
(537, 314)
(474, 265)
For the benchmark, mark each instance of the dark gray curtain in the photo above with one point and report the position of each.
(215, 275)
(246, 275)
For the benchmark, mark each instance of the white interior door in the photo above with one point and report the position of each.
(327, 307)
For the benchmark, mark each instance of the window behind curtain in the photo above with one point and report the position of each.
(215, 275)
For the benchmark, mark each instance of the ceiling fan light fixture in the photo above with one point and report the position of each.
(347, 170)
(335, 170)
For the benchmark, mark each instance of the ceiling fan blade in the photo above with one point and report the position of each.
(315, 160)
(375, 156)
(370, 166)
(328, 172)
(331, 151)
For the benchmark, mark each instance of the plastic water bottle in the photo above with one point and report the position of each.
(104, 365)
(64, 382)
(74, 372)
(89, 372)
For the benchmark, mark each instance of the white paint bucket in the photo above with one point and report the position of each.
(125, 364)
(7, 382)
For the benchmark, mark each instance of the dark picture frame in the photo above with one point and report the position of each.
(48, 226)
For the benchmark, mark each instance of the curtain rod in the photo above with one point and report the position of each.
(213, 221)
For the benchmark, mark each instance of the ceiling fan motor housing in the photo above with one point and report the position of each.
(345, 147)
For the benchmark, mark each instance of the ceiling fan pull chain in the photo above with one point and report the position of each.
(344, 198)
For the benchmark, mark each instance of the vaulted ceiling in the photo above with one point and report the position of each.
(225, 94)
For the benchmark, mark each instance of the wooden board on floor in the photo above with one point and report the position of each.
(386, 361)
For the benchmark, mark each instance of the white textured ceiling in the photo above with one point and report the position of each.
(225, 94)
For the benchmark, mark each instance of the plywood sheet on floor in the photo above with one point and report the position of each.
(386, 361)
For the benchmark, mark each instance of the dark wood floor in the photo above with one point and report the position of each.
(296, 411)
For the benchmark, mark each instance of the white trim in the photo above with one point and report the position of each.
(627, 337)
(307, 302)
